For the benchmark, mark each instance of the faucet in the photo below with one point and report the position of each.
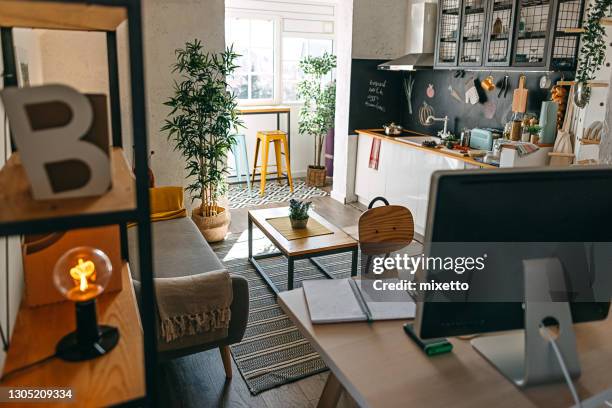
(431, 119)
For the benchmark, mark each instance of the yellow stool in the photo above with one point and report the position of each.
(265, 137)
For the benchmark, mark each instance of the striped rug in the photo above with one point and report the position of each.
(273, 352)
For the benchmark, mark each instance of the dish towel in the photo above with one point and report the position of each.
(374, 153)
(522, 148)
(193, 304)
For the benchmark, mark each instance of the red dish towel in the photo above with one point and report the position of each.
(374, 153)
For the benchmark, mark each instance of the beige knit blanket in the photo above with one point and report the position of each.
(190, 305)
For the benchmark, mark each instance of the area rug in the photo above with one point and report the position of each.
(273, 352)
(275, 192)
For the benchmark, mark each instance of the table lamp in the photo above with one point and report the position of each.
(81, 275)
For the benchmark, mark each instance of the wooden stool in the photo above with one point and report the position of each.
(265, 137)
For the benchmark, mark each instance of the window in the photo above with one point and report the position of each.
(293, 50)
(253, 39)
(271, 47)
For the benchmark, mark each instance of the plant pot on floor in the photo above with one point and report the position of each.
(315, 176)
(213, 228)
(298, 224)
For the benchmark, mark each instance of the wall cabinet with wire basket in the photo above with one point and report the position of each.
(541, 35)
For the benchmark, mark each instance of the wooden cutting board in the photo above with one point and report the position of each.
(519, 98)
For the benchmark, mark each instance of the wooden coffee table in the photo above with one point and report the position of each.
(304, 248)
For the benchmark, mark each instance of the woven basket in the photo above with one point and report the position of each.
(213, 228)
(315, 177)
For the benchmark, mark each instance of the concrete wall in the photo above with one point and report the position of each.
(168, 24)
(379, 28)
(75, 58)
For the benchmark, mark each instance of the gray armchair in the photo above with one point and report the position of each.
(180, 250)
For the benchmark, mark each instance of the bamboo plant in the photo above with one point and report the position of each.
(319, 101)
(203, 120)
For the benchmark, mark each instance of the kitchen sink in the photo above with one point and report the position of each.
(417, 140)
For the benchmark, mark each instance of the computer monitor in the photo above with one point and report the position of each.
(514, 215)
(539, 229)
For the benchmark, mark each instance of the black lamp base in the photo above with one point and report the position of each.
(69, 349)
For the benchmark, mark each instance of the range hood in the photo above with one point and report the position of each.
(420, 40)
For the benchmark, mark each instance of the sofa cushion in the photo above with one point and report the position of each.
(179, 249)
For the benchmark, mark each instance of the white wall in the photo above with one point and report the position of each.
(11, 271)
(368, 30)
(596, 109)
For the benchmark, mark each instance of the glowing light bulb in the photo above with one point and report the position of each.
(82, 273)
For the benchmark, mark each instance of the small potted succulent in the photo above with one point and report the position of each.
(298, 213)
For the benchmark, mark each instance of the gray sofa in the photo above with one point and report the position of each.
(180, 250)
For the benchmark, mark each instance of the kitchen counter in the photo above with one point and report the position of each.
(404, 170)
(414, 139)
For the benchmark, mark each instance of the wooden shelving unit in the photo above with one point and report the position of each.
(104, 381)
(127, 375)
(19, 209)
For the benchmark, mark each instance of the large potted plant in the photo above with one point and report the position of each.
(201, 125)
(318, 109)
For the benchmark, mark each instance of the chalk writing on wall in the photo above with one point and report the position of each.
(376, 92)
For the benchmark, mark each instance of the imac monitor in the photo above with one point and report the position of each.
(544, 210)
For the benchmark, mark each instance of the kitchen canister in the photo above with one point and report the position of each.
(548, 122)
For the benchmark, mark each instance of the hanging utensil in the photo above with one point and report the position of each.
(504, 86)
(519, 98)
(471, 93)
(488, 84)
(545, 81)
(582, 94)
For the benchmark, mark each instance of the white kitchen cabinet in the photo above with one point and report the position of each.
(405, 184)
(370, 183)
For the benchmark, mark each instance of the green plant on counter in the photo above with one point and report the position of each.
(593, 51)
(319, 100)
(298, 210)
(203, 119)
(534, 130)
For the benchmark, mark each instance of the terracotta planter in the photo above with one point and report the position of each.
(213, 228)
(298, 224)
(315, 176)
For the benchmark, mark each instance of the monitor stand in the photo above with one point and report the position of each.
(526, 357)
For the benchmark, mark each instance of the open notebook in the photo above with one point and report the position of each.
(342, 300)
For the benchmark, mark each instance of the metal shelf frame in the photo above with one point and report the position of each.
(140, 214)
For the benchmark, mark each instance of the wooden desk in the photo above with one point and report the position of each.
(381, 367)
(304, 248)
(107, 380)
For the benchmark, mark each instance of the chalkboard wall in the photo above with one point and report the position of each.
(491, 111)
(377, 97)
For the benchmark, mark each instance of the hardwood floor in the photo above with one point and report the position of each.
(199, 380)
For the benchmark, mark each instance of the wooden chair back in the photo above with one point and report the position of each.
(385, 229)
